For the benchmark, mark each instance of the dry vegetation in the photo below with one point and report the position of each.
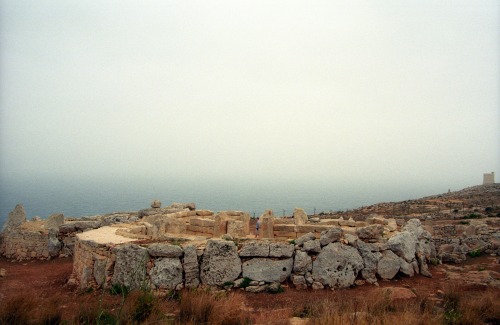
(225, 308)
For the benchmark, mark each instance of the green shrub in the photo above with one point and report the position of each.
(475, 253)
(463, 222)
(118, 289)
(144, 305)
(472, 216)
(245, 283)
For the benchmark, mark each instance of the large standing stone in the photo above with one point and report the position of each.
(164, 250)
(255, 249)
(371, 256)
(388, 265)
(53, 245)
(330, 236)
(16, 217)
(191, 269)
(299, 216)
(220, 263)
(130, 266)
(267, 224)
(166, 272)
(337, 265)
(54, 221)
(302, 263)
(403, 244)
(236, 228)
(220, 225)
(279, 249)
(263, 269)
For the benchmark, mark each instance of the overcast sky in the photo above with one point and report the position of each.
(334, 91)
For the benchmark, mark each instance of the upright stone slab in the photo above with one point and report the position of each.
(236, 228)
(337, 265)
(220, 225)
(299, 216)
(130, 266)
(166, 272)
(403, 244)
(191, 267)
(220, 263)
(266, 224)
(388, 265)
(16, 218)
(54, 221)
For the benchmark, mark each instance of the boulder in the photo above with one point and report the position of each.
(54, 246)
(255, 249)
(130, 266)
(54, 221)
(406, 268)
(312, 246)
(299, 282)
(166, 273)
(388, 265)
(371, 256)
(16, 218)
(302, 263)
(337, 265)
(330, 236)
(280, 249)
(299, 216)
(263, 269)
(220, 263)
(164, 250)
(191, 267)
(403, 244)
(156, 204)
(370, 233)
(304, 238)
(397, 293)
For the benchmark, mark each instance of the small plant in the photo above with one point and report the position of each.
(292, 241)
(475, 253)
(144, 306)
(434, 261)
(472, 216)
(118, 289)
(245, 283)
(464, 222)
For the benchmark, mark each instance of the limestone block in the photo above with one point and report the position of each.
(281, 249)
(220, 225)
(299, 216)
(371, 232)
(302, 263)
(305, 238)
(330, 235)
(175, 226)
(263, 269)
(284, 227)
(236, 228)
(299, 282)
(329, 222)
(204, 230)
(164, 250)
(266, 226)
(16, 217)
(285, 235)
(191, 267)
(166, 272)
(130, 265)
(305, 228)
(388, 265)
(100, 270)
(337, 265)
(220, 263)
(204, 213)
(202, 222)
(255, 249)
(403, 244)
(321, 228)
(312, 246)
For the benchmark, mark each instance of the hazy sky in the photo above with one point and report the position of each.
(334, 91)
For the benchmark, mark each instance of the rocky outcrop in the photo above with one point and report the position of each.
(337, 265)
(220, 263)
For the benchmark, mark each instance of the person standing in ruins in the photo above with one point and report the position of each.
(257, 226)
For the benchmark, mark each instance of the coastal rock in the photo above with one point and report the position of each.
(164, 250)
(191, 268)
(263, 269)
(337, 265)
(166, 273)
(220, 263)
(16, 218)
(255, 249)
(388, 265)
(330, 236)
(130, 265)
(299, 216)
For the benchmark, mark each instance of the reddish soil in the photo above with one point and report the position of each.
(46, 282)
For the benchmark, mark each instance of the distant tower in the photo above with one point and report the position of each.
(489, 178)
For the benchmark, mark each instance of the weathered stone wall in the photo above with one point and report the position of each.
(331, 259)
(23, 244)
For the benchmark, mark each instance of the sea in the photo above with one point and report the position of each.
(87, 197)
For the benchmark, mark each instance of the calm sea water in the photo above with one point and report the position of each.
(43, 197)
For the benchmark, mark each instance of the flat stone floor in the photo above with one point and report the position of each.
(105, 235)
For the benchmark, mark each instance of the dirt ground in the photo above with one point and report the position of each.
(47, 282)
